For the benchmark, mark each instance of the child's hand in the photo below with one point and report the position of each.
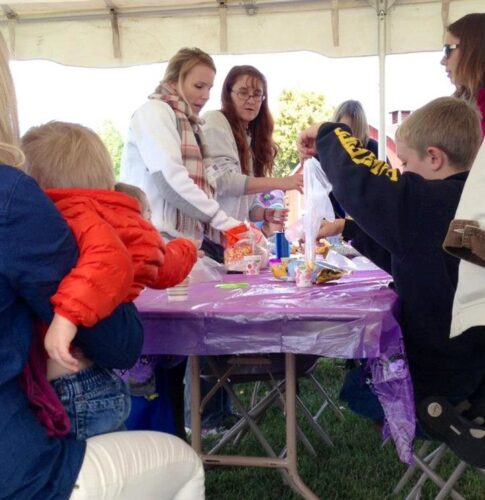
(200, 253)
(57, 341)
(330, 228)
(306, 142)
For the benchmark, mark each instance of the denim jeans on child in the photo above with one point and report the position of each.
(97, 401)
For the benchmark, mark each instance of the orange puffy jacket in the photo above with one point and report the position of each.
(119, 254)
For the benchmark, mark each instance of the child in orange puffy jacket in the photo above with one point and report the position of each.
(120, 253)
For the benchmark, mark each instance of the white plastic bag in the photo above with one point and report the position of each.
(206, 269)
(317, 207)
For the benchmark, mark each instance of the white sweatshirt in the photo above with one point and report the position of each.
(230, 181)
(152, 160)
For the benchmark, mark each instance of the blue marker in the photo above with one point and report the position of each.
(282, 245)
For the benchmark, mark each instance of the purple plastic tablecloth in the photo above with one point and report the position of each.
(351, 318)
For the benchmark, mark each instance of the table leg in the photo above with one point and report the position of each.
(195, 416)
(297, 483)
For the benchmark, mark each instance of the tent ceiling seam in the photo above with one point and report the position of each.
(249, 6)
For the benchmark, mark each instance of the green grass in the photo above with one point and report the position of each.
(358, 467)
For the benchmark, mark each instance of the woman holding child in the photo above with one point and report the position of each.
(240, 141)
(37, 250)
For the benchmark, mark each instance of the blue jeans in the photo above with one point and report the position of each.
(96, 400)
(357, 393)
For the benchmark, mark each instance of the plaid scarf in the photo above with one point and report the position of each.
(194, 151)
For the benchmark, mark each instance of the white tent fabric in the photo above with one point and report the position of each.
(108, 33)
(113, 33)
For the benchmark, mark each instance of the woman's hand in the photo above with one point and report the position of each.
(306, 142)
(330, 228)
(292, 182)
(275, 215)
(57, 342)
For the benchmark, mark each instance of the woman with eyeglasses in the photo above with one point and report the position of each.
(240, 141)
(464, 59)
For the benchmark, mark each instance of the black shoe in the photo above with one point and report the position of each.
(441, 420)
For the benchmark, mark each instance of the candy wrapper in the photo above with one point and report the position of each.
(298, 270)
(242, 241)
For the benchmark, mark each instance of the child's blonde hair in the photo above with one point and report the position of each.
(10, 153)
(134, 192)
(447, 123)
(67, 155)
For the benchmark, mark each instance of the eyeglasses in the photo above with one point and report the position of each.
(449, 48)
(244, 95)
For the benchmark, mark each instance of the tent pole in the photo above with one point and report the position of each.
(382, 24)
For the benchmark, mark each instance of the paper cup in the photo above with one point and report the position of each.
(252, 264)
(179, 292)
(303, 276)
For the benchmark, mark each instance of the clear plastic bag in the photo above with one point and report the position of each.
(317, 207)
(206, 269)
(242, 241)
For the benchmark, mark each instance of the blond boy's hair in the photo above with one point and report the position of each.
(447, 123)
(67, 155)
(134, 192)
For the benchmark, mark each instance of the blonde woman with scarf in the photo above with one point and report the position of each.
(165, 153)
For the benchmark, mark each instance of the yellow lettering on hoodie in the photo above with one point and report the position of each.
(362, 156)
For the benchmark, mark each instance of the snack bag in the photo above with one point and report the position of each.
(241, 241)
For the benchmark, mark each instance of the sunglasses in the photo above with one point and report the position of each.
(448, 49)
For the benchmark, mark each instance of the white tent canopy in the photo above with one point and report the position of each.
(108, 33)
(113, 33)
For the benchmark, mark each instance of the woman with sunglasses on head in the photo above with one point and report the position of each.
(464, 59)
(240, 141)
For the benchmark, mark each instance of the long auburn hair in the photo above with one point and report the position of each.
(470, 70)
(263, 149)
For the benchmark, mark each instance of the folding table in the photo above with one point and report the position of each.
(351, 318)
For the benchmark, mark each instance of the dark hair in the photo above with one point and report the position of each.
(470, 71)
(263, 149)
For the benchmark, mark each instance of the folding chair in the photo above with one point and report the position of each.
(267, 369)
(427, 463)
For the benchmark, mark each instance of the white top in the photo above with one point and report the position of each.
(152, 160)
(230, 181)
(469, 304)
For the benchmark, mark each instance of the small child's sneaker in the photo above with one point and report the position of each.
(212, 431)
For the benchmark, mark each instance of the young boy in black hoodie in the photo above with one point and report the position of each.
(402, 220)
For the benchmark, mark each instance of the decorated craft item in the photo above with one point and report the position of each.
(243, 241)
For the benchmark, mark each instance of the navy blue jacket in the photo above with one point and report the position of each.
(37, 250)
(404, 220)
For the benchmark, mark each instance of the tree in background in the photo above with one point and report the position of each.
(298, 110)
(113, 140)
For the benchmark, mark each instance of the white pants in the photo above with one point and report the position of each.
(139, 465)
